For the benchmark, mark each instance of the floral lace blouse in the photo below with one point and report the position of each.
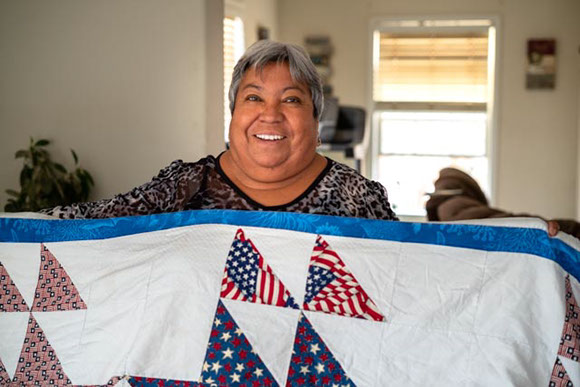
(338, 190)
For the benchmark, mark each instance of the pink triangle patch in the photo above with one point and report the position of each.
(559, 377)
(38, 363)
(55, 290)
(10, 298)
(332, 288)
(570, 342)
(247, 277)
(4, 377)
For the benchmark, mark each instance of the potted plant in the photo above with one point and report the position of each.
(45, 183)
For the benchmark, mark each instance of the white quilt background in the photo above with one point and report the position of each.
(455, 316)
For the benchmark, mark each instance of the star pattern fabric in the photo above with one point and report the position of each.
(10, 298)
(230, 359)
(136, 381)
(247, 277)
(38, 363)
(312, 363)
(570, 341)
(332, 288)
(559, 376)
(55, 290)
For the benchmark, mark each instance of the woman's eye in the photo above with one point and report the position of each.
(253, 98)
(292, 99)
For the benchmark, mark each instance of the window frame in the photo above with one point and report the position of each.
(427, 24)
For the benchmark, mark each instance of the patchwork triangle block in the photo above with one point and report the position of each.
(10, 298)
(55, 290)
(559, 377)
(312, 363)
(570, 341)
(38, 362)
(332, 288)
(4, 377)
(230, 359)
(138, 381)
(247, 277)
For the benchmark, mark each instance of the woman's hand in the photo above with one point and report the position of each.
(553, 228)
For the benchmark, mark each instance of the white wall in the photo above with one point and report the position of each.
(124, 83)
(254, 13)
(260, 13)
(537, 141)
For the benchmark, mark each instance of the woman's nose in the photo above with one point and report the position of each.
(271, 113)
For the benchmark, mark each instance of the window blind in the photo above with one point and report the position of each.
(425, 68)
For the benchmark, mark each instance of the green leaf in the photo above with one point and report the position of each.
(45, 183)
(11, 192)
(59, 167)
(22, 154)
(75, 157)
(25, 176)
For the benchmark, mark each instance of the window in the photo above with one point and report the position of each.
(233, 50)
(432, 105)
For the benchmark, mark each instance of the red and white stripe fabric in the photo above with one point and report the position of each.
(344, 295)
(268, 290)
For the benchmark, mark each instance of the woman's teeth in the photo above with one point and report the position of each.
(269, 137)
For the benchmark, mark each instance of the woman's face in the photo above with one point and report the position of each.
(273, 132)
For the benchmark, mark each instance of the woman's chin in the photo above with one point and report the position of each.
(269, 162)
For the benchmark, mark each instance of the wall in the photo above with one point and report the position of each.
(260, 13)
(537, 134)
(578, 155)
(254, 13)
(124, 83)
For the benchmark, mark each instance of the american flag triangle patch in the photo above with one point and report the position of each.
(312, 363)
(230, 359)
(10, 298)
(332, 288)
(55, 290)
(247, 277)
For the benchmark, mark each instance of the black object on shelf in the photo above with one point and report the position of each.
(342, 128)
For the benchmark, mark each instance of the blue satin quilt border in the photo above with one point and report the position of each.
(488, 238)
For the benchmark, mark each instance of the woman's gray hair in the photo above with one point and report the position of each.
(264, 52)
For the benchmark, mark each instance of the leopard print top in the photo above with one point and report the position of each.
(338, 190)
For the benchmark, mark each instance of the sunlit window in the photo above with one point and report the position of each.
(432, 93)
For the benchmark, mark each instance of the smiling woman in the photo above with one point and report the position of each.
(273, 137)
(276, 101)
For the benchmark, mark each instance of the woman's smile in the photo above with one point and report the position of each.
(269, 137)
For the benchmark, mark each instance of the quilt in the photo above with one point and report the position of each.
(230, 298)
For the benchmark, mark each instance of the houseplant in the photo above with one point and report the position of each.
(45, 183)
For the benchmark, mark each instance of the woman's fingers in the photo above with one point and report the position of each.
(553, 228)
